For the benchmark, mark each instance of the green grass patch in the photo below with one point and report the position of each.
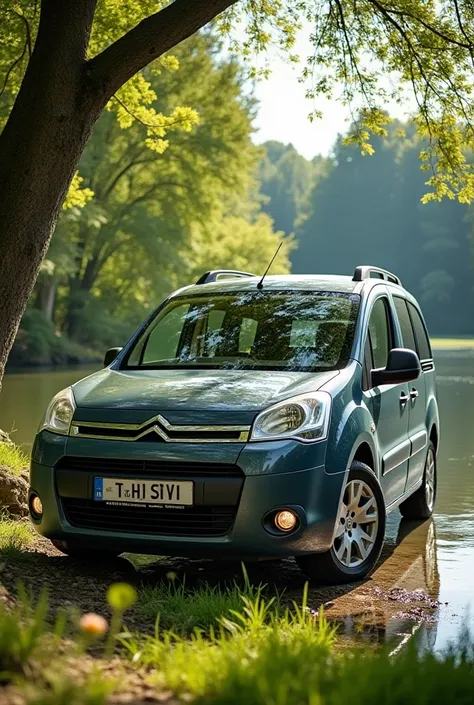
(183, 610)
(15, 536)
(12, 457)
(262, 655)
(260, 634)
(21, 633)
(32, 665)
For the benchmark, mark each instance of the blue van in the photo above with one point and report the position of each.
(249, 419)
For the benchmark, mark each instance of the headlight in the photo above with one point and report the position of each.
(304, 418)
(59, 413)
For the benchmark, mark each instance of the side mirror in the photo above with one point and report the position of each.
(110, 355)
(403, 366)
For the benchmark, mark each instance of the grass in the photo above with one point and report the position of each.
(259, 654)
(21, 632)
(183, 610)
(263, 655)
(58, 689)
(12, 457)
(452, 343)
(15, 536)
(36, 663)
(205, 664)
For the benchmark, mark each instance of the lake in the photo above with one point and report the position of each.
(449, 543)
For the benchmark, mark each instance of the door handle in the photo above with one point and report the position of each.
(404, 398)
(413, 394)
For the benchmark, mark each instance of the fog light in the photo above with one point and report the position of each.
(285, 520)
(36, 506)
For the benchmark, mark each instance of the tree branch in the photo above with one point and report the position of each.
(122, 172)
(429, 27)
(151, 38)
(352, 57)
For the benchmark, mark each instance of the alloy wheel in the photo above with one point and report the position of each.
(430, 480)
(358, 523)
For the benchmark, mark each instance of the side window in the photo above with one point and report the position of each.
(408, 336)
(380, 333)
(424, 347)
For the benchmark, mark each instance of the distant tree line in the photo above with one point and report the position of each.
(351, 209)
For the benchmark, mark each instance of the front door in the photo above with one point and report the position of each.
(389, 405)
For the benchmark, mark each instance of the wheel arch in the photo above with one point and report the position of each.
(432, 422)
(365, 451)
(365, 455)
(434, 436)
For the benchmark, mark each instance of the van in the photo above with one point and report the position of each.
(248, 419)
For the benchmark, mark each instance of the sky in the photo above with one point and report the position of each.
(283, 113)
(284, 109)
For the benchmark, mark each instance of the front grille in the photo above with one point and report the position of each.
(191, 521)
(158, 429)
(177, 469)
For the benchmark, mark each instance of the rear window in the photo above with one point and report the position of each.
(252, 330)
(408, 337)
(421, 335)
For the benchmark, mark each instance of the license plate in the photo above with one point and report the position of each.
(118, 491)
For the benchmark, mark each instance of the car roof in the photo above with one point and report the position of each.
(331, 283)
(287, 282)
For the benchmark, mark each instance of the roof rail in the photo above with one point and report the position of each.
(366, 272)
(217, 274)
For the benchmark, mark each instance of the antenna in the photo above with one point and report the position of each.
(260, 283)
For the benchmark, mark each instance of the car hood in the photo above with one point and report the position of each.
(188, 396)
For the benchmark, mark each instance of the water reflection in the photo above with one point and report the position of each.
(401, 600)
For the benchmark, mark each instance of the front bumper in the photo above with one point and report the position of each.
(273, 475)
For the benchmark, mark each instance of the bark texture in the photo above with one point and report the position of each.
(61, 97)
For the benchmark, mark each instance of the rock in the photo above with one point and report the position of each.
(13, 493)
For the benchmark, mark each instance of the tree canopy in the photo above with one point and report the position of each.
(365, 54)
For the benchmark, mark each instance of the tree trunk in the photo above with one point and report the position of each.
(76, 305)
(40, 147)
(79, 291)
(46, 297)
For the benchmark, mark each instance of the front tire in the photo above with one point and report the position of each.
(359, 535)
(421, 503)
(83, 554)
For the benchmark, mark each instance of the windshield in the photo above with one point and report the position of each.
(302, 331)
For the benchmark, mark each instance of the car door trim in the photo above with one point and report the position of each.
(418, 442)
(396, 503)
(404, 451)
(396, 456)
